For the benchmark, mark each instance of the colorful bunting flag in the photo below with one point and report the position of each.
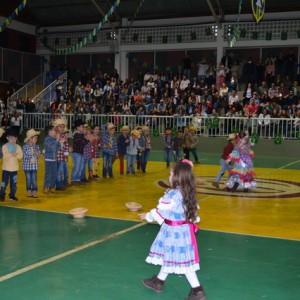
(13, 15)
(84, 40)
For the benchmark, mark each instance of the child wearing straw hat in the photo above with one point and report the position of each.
(12, 153)
(145, 143)
(226, 152)
(132, 150)
(51, 145)
(31, 153)
(62, 162)
(109, 149)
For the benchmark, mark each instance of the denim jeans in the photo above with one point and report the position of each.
(31, 180)
(144, 159)
(62, 174)
(50, 174)
(195, 154)
(224, 168)
(87, 163)
(131, 159)
(78, 164)
(107, 164)
(168, 156)
(11, 177)
(178, 154)
(82, 175)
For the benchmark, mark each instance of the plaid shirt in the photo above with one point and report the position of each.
(79, 141)
(168, 141)
(108, 142)
(61, 154)
(87, 151)
(30, 160)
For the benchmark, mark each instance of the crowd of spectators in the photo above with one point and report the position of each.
(270, 88)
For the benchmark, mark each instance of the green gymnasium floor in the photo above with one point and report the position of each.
(41, 258)
(249, 243)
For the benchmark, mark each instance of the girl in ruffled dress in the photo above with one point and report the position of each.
(175, 247)
(242, 174)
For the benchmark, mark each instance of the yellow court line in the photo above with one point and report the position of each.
(67, 253)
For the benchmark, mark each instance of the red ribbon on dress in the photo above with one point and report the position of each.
(193, 229)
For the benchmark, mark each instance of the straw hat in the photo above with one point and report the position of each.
(145, 128)
(110, 126)
(78, 213)
(60, 121)
(192, 128)
(31, 133)
(138, 128)
(231, 137)
(125, 128)
(133, 206)
(136, 133)
(1, 131)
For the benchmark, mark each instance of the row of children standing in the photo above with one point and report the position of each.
(85, 154)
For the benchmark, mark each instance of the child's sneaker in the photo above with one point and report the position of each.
(14, 198)
(34, 194)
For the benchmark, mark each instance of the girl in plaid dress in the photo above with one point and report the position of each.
(175, 247)
(31, 153)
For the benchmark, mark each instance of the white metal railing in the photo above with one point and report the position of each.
(288, 128)
(30, 89)
(48, 94)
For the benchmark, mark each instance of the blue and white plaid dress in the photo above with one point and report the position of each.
(174, 247)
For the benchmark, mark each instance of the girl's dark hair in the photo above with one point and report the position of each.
(183, 178)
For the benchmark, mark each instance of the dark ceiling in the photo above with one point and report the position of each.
(45, 13)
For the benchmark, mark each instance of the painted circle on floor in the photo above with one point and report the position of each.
(267, 188)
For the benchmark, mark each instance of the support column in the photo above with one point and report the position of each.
(220, 45)
(123, 64)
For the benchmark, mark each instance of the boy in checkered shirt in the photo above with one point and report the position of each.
(31, 153)
(62, 162)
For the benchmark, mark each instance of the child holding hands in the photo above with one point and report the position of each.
(175, 247)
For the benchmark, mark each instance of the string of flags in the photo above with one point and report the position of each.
(85, 40)
(134, 17)
(13, 15)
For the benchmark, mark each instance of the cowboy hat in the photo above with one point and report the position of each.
(136, 133)
(231, 137)
(110, 126)
(125, 128)
(59, 121)
(11, 132)
(193, 128)
(31, 133)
